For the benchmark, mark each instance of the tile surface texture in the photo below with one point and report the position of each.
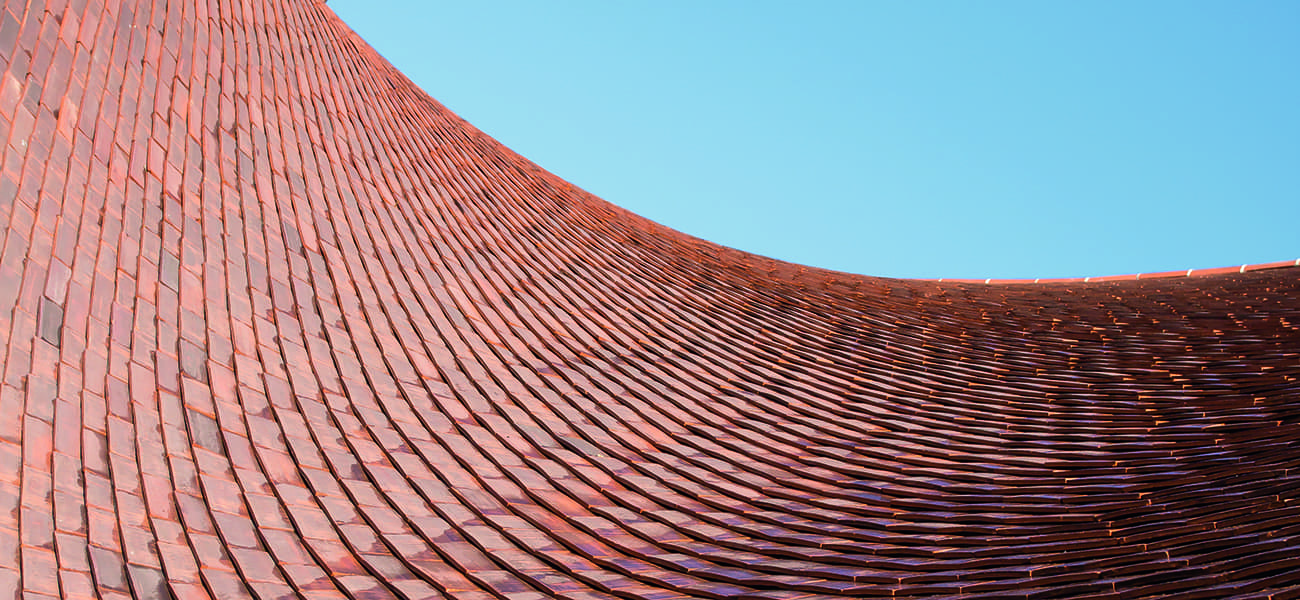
(275, 324)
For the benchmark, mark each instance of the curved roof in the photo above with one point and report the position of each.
(276, 323)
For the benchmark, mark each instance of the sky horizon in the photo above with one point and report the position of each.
(928, 139)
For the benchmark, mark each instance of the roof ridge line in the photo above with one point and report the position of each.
(1282, 264)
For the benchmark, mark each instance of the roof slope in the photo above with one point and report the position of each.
(274, 323)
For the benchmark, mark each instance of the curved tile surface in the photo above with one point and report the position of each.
(274, 324)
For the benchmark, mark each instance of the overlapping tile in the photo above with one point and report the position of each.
(277, 324)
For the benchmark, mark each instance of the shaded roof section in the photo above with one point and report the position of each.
(276, 323)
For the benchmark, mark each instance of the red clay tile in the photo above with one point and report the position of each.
(289, 326)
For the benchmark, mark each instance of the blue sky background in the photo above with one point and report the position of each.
(905, 139)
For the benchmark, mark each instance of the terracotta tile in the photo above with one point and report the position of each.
(291, 313)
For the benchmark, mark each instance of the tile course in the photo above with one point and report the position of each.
(274, 323)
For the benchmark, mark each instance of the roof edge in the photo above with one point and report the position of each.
(1282, 264)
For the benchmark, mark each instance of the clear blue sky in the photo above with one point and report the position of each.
(905, 139)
